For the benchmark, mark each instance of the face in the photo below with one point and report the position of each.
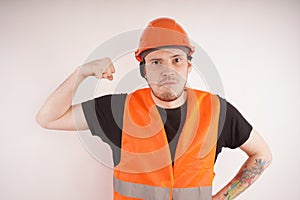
(166, 72)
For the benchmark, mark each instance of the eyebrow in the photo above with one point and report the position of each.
(177, 55)
(159, 59)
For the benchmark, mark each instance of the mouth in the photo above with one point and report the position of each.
(168, 82)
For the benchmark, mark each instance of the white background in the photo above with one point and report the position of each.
(253, 44)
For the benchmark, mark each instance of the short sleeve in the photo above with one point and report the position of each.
(236, 129)
(104, 117)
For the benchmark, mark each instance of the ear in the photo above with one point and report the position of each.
(189, 66)
(145, 73)
(142, 69)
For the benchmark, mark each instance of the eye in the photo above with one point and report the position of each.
(155, 62)
(178, 59)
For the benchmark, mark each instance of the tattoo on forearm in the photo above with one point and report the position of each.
(245, 179)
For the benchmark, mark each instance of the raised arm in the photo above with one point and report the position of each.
(259, 159)
(58, 112)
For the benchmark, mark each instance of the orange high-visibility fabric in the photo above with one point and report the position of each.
(145, 155)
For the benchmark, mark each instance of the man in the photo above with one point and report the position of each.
(165, 138)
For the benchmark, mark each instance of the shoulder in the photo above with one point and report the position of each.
(234, 127)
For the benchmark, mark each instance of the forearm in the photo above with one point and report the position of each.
(60, 101)
(249, 172)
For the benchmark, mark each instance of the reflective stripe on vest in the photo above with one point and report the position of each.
(197, 193)
(141, 191)
(148, 192)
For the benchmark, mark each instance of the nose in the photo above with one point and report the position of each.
(167, 71)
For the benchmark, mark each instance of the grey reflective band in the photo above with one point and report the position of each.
(141, 191)
(148, 192)
(197, 193)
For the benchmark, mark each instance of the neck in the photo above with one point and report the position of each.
(170, 104)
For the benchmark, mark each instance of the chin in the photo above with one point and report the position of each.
(168, 95)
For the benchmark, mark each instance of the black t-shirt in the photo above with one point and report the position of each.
(104, 116)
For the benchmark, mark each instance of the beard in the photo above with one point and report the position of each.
(167, 94)
(168, 88)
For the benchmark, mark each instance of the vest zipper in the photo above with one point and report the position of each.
(172, 181)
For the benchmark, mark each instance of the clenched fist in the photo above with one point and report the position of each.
(101, 68)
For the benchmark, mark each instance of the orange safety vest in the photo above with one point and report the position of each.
(145, 170)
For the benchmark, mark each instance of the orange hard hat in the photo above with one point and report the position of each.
(163, 32)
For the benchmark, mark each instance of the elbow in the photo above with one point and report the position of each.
(266, 157)
(41, 121)
(258, 149)
(269, 158)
